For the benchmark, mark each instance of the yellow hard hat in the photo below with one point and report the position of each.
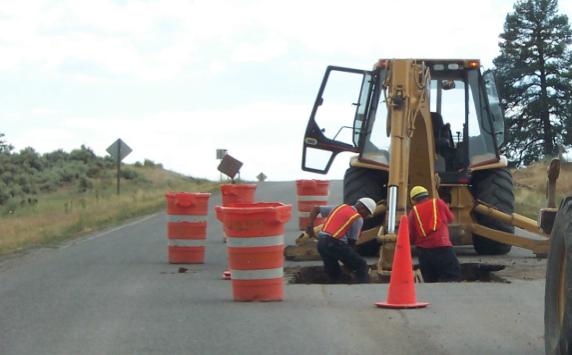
(416, 191)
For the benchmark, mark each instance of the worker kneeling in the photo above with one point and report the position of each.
(338, 236)
(430, 235)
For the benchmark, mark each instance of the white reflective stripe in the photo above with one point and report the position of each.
(185, 218)
(313, 198)
(303, 214)
(250, 242)
(257, 274)
(186, 242)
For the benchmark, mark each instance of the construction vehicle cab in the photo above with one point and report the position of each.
(434, 123)
(350, 114)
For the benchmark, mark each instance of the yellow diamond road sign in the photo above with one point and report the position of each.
(119, 150)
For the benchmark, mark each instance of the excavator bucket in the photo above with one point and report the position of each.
(305, 248)
(303, 251)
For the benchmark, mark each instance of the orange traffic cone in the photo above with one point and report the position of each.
(401, 292)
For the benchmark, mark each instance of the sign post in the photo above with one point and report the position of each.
(118, 150)
(220, 153)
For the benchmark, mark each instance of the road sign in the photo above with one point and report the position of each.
(229, 166)
(220, 153)
(261, 177)
(119, 150)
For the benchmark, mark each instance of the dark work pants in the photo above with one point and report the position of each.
(332, 250)
(439, 264)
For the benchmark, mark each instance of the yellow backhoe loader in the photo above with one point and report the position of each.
(439, 124)
(430, 122)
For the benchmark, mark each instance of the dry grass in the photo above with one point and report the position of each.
(66, 213)
(530, 187)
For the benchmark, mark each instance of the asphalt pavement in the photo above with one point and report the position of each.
(113, 292)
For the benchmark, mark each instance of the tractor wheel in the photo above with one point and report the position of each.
(361, 182)
(558, 289)
(493, 187)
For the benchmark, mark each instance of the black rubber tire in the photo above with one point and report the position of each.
(361, 182)
(493, 187)
(558, 332)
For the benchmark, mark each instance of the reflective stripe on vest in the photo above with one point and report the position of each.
(339, 221)
(435, 220)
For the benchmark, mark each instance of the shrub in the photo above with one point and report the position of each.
(84, 184)
(148, 163)
(4, 193)
(83, 154)
(151, 164)
(10, 206)
(129, 174)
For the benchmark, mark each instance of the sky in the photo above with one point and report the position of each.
(176, 80)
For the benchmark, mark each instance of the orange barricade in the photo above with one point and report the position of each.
(187, 227)
(310, 193)
(401, 291)
(237, 193)
(255, 249)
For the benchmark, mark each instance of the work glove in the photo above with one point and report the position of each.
(310, 232)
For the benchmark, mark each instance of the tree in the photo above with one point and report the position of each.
(4, 147)
(534, 71)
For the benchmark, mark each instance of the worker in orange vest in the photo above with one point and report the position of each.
(338, 236)
(429, 233)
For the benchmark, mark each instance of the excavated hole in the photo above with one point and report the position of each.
(470, 272)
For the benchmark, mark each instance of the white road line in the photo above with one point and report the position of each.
(113, 230)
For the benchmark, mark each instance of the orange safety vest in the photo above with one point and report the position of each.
(427, 217)
(339, 221)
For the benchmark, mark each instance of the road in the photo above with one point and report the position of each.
(114, 293)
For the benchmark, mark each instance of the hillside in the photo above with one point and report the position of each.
(530, 187)
(56, 196)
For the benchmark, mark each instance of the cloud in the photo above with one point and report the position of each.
(259, 52)
(154, 40)
(178, 79)
(185, 141)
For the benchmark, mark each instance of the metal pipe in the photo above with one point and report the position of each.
(392, 208)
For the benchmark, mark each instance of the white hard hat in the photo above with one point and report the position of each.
(368, 203)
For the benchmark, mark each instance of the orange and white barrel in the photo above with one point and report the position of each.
(256, 249)
(187, 227)
(237, 193)
(310, 193)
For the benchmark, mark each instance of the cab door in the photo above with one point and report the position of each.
(338, 117)
(495, 109)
